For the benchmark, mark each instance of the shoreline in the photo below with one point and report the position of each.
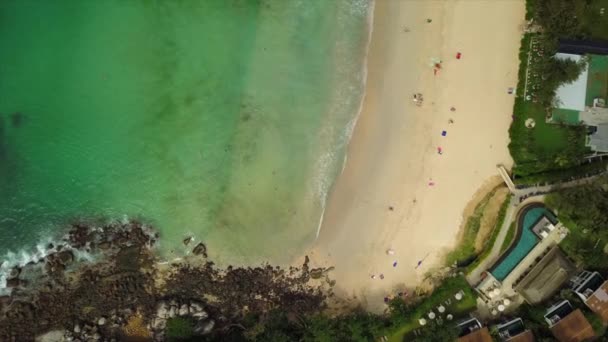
(379, 201)
(352, 124)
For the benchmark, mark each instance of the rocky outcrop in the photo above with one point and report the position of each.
(166, 310)
(124, 292)
(200, 249)
(204, 327)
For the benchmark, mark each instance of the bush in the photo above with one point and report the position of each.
(582, 210)
(179, 328)
(556, 176)
(487, 247)
(464, 253)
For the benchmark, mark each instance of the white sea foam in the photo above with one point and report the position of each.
(324, 183)
(34, 255)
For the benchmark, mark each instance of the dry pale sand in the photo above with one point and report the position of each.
(393, 152)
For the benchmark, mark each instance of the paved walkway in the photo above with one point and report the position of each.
(475, 276)
(515, 205)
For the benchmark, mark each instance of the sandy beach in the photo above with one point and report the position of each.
(396, 191)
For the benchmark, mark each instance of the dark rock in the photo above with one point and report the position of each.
(66, 257)
(200, 249)
(13, 282)
(104, 245)
(15, 272)
(203, 327)
(317, 273)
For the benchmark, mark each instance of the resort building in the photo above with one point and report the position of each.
(515, 331)
(584, 100)
(471, 330)
(546, 277)
(533, 267)
(567, 324)
(593, 291)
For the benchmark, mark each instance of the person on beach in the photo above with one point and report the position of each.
(450, 121)
(452, 109)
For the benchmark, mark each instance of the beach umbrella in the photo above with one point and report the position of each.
(494, 312)
(491, 294)
(449, 317)
(458, 296)
(496, 292)
(422, 321)
(506, 302)
(431, 315)
(441, 309)
(501, 308)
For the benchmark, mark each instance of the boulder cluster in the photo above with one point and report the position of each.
(166, 310)
(126, 293)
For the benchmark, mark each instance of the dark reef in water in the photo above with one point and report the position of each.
(129, 295)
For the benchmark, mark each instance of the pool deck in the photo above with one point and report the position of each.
(554, 238)
(487, 304)
(519, 246)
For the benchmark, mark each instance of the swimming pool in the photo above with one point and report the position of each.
(526, 239)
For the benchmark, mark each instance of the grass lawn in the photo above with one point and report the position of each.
(544, 147)
(445, 291)
(548, 138)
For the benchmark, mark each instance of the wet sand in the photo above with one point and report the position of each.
(396, 191)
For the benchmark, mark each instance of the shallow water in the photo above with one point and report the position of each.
(225, 119)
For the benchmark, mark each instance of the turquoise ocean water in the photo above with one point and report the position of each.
(225, 119)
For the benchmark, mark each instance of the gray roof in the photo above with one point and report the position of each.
(572, 95)
(545, 277)
(598, 141)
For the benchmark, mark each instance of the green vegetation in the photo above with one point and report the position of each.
(545, 148)
(284, 325)
(564, 174)
(533, 317)
(466, 246)
(489, 243)
(436, 332)
(405, 318)
(595, 321)
(508, 238)
(570, 19)
(179, 328)
(584, 211)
